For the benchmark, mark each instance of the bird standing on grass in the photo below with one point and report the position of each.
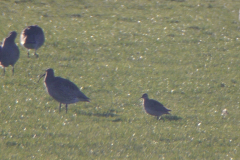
(62, 90)
(32, 37)
(9, 52)
(153, 107)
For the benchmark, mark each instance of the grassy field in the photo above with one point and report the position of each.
(183, 53)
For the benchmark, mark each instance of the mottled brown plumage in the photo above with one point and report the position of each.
(153, 107)
(32, 37)
(9, 52)
(63, 90)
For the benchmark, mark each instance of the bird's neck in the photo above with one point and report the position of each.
(49, 78)
(145, 100)
(8, 41)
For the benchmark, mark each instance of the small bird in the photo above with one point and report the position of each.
(32, 37)
(9, 52)
(62, 90)
(153, 107)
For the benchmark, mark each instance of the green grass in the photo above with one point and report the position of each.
(183, 53)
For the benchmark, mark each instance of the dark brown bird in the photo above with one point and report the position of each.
(9, 52)
(63, 90)
(32, 37)
(153, 107)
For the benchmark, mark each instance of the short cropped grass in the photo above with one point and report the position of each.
(183, 53)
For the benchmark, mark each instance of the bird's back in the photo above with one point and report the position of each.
(32, 37)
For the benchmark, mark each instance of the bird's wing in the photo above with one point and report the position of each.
(157, 106)
(65, 84)
(62, 90)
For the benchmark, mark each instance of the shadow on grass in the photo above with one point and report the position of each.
(167, 117)
(171, 118)
(117, 120)
(110, 113)
(11, 143)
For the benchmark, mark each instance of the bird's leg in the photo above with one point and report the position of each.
(66, 108)
(158, 117)
(28, 53)
(4, 71)
(36, 53)
(60, 107)
(12, 70)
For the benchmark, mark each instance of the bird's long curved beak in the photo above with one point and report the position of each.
(41, 76)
